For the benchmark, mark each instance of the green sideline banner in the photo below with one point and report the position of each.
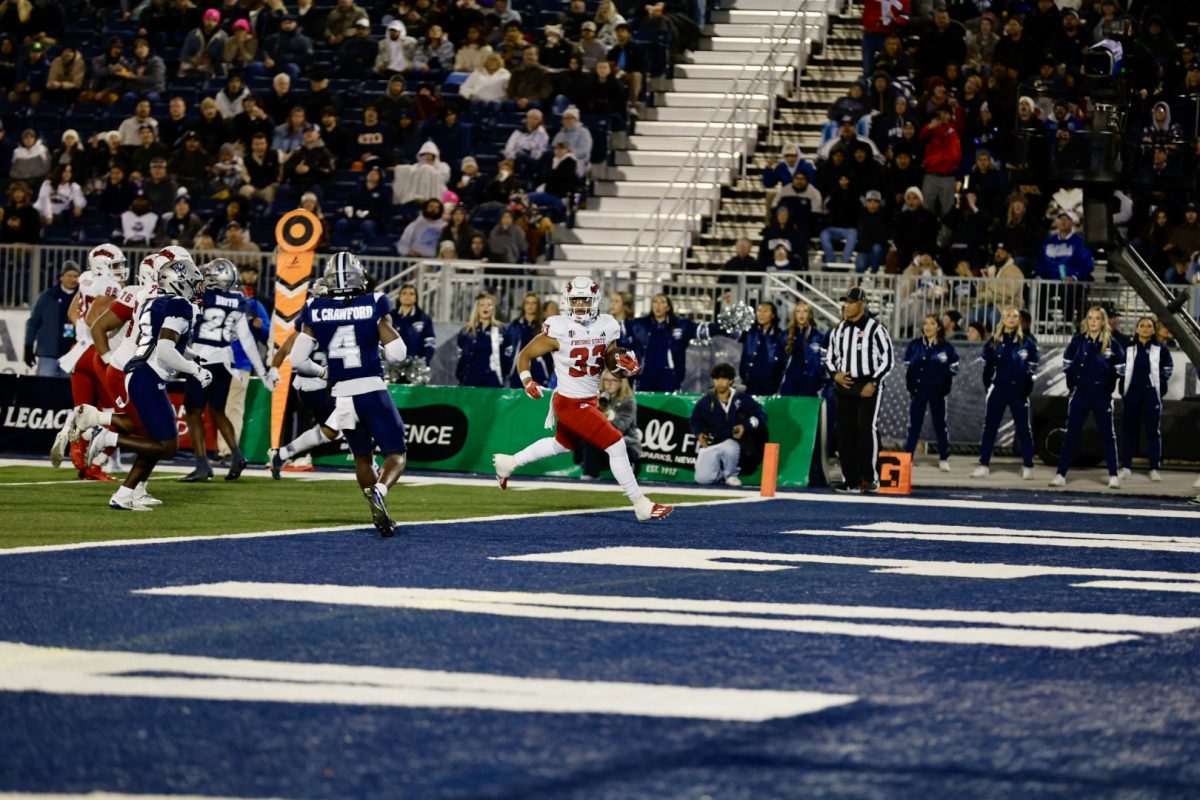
(457, 429)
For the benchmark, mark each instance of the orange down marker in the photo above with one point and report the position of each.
(770, 470)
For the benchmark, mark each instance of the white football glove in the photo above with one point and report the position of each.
(204, 377)
(273, 374)
(269, 380)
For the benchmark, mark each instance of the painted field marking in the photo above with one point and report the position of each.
(27, 668)
(987, 535)
(753, 561)
(1144, 586)
(1056, 630)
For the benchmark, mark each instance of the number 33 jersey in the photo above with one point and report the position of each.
(347, 329)
(579, 359)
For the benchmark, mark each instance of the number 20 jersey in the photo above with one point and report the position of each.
(347, 329)
(579, 359)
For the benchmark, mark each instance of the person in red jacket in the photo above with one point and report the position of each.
(943, 159)
(881, 18)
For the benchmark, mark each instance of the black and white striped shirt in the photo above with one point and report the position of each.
(862, 350)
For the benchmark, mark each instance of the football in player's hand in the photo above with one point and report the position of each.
(611, 358)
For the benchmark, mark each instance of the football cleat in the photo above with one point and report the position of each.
(126, 504)
(95, 473)
(379, 513)
(61, 439)
(140, 495)
(78, 450)
(1058, 481)
(275, 463)
(235, 470)
(505, 465)
(655, 511)
(198, 474)
(95, 445)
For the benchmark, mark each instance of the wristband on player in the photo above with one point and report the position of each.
(526, 376)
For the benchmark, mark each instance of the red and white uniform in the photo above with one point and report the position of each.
(578, 362)
(87, 380)
(123, 344)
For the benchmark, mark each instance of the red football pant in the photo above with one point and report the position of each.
(89, 383)
(115, 381)
(580, 420)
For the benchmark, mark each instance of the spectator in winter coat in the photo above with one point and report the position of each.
(591, 52)
(780, 173)
(20, 222)
(473, 52)
(525, 148)
(341, 21)
(230, 99)
(943, 159)
(520, 332)
(903, 172)
(847, 136)
(420, 237)
(531, 83)
(802, 199)
(1022, 235)
(486, 85)
(1064, 257)
(1015, 50)
(944, 42)
(421, 182)
(720, 421)
(203, 51)
(507, 243)
(852, 105)
(138, 224)
(368, 210)
(145, 75)
(146, 153)
(481, 347)
(396, 50)
(762, 362)
(414, 325)
(49, 332)
(881, 19)
(357, 53)
(31, 160)
(577, 137)
(241, 46)
(435, 53)
(914, 228)
(117, 194)
(874, 233)
(262, 170)
(562, 179)
(804, 373)
(60, 200)
(841, 222)
(1004, 287)
(452, 136)
(782, 231)
(288, 50)
(307, 167)
(65, 79)
(179, 227)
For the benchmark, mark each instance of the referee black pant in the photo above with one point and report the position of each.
(857, 435)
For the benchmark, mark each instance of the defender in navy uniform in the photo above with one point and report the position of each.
(1148, 368)
(222, 320)
(1093, 361)
(351, 325)
(162, 329)
(313, 394)
(932, 364)
(1010, 360)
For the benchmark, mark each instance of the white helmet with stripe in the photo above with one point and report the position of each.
(581, 299)
(148, 269)
(107, 260)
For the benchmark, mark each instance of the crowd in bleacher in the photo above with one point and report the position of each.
(930, 165)
(199, 123)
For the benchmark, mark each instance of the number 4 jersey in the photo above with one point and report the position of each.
(347, 329)
(579, 359)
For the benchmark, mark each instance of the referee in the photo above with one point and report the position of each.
(858, 358)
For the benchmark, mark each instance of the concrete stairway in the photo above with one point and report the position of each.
(652, 167)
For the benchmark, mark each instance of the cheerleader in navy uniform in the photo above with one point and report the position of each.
(481, 347)
(932, 364)
(1010, 360)
(804, 372)
(414, 325)
(762, 361)
(660, 341)
(1093, 361)
(519, 333)
(1148, 368)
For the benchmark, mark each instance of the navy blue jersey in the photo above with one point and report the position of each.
(173, 313)
(1012, 363)
(347, 329)
(214, 323)
(1090, 365)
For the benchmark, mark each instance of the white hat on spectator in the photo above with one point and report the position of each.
(1069, 214)
(571, 111)
(469, 161)
(431, 149)
(362, 22)
(397, 25)
(66, 133)
(914, 190)
(791, 148)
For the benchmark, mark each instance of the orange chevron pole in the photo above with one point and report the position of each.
(296, 238)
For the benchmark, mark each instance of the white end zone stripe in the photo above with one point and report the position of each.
(27, 668)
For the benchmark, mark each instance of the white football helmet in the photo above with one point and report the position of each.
(581, 299)
(108, 261)
(220, 273)
(148, 269)
(176, 253)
